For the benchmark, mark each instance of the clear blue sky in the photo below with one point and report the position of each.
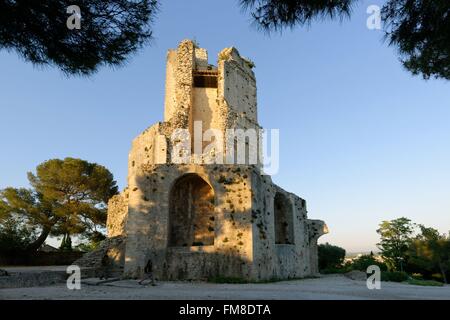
(361, 139)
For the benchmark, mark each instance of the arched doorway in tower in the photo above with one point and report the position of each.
(191, 212)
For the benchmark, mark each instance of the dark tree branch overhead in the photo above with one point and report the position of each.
(419, 29)
(110, 31)
(275, 15)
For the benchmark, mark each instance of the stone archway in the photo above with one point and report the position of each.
(284, 229)
(191, 212)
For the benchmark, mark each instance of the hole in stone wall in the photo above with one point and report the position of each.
(191, 215)
(284, 230)
(205, 79)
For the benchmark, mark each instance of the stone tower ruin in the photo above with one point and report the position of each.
(194, 215)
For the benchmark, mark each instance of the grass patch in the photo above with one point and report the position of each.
(431, 283)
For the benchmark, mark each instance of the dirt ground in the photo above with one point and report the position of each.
(324, 288)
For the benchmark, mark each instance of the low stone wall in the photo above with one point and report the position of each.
(41, 259)
(39, 278)
(32, 279)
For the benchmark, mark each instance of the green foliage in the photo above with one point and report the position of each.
(68, 197)
(420, 29)
(394, 276)
(110, 31)
(87, 247)
(330, 256)
(96, 237)
(395, 240)
(15, 236)
(417, 276)
(437, 277)
(431, 283)
(335, 270)
(275, 15)
(426, 253)
(429, 253)
(66, 243)
(4, 211)
(91, 243)
(363, 262)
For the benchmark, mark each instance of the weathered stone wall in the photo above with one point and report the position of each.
(117, 214)
(244, 227)
(316, 228)
(148, 221)
(278, 260)
(237, 86)
(201, 59)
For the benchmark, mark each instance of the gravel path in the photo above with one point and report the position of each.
(326, 287)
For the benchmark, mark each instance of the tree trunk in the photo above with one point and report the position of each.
(62, 246)
(39, 241)
(66, 243)
(443, 273)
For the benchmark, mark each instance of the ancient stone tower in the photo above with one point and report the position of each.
(193, 214)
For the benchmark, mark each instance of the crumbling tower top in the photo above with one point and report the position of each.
(222, 96)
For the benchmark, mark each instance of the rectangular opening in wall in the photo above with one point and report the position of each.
(205, 79)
